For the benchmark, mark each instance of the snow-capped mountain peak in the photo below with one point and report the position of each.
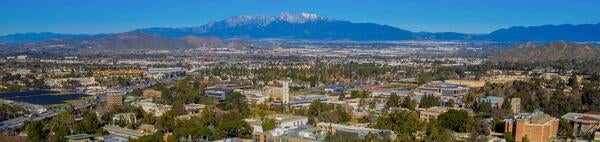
(300, 17)
(262, 20)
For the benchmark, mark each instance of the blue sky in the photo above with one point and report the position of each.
(469, 16)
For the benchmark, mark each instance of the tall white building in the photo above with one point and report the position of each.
(286, 90)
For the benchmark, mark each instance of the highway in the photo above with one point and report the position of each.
(17, 123)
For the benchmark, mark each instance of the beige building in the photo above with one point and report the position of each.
(274, 92)
(114, 98)
(515, 104)
(433, 112)
(153, 108)
(537, 127)
(505, 78)
(149, 93)
(468, 83)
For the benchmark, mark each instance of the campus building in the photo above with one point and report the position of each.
(498, 102)
(445, 89)
(284, 122)
(536, 126)
(360, 131)
(432, 113)
(149, 93)
(583, 123)
(218, 92)
(114, 98)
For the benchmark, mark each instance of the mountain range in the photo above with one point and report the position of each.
(306, 26)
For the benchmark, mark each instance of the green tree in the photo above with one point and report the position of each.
(194, 132)
(208, 117)
(456, 120)
(148, 118)
(341, 116)
(237, 102)
(483, 108)
(506, 105)
(166, 122)
(234, 128)
(425, 77)
(393, 100)
(407, 102)
(342, 137)
(62, 124)
(64, 118)
(342, 97)
(317, 108)
(525, 139)
(572, 82)
(359, 94)
(469, 100)
(450, 103)
(60, 132)
(428, 101)
(36, 131)
(401, 122)
(268, 124)
(89, 124)
(178, 107)
(509, 137)
(157, 137)
(435, 133)
(565, 129)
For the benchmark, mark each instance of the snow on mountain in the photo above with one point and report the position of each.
(263, 20)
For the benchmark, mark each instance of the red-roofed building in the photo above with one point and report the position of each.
(584, 123)
(593, 113)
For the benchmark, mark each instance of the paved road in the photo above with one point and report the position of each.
(19, 122)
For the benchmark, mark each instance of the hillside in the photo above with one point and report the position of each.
(548, 52)
(206, 41)
(133, 40)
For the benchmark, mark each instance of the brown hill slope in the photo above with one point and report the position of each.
(133, 40)
(549, 52)
(203, 41)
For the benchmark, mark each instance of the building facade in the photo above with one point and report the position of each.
(114, 98)
(537, 127)
(149, 93)
(284, 121)
(584, 123)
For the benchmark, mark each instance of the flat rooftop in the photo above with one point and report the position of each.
(79, 136)
(279, 118)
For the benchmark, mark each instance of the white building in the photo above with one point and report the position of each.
(159, 73)
(284, 122)
(153, 108)
(286, 91)
(126, 117)
(360, 131)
